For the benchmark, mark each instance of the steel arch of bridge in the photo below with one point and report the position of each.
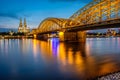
(94, 12)
(53, 24)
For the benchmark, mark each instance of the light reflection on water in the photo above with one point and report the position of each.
(35, 59)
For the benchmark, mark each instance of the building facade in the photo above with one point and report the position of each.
(23, 28)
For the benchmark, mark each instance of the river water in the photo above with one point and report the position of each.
(31, 59)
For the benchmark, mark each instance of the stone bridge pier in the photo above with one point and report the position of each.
(79, 36)
(43, 36)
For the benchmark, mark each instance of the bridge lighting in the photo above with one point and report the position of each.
(61, 33)
(35, 36)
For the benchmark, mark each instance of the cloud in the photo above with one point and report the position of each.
(11, 15)
(14, 14)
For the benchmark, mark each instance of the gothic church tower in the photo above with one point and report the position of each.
(23, 28)
(20, 26)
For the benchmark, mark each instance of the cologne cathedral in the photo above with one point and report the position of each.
(23, 28)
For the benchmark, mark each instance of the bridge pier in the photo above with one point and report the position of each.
(67, 36)
(79, 36)
(43, 36)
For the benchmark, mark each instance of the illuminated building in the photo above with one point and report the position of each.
(23, 28)
(111, 32)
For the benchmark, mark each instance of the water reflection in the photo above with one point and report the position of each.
(54, 46)
(35, 42)
(96, 57)
(71, 52)
(53, 59)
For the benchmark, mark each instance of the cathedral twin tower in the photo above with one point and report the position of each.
(23, 28)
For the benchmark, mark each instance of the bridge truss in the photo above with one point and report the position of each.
(95, 12)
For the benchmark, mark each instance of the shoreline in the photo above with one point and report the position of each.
(15, 37)
(21, 37)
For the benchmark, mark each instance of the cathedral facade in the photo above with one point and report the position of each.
(23, 27)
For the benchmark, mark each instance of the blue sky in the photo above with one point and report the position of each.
(36, 10)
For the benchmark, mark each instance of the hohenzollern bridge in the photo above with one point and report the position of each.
(99, 14)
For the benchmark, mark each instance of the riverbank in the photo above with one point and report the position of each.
(15, 37)
(102, 36)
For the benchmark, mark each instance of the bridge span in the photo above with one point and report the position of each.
(99, 14)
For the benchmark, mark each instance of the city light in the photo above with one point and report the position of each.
(61, 33)
(61, 45)
(35, 36)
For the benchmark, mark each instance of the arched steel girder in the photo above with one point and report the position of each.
(88, 6)
(55, 20)
(97, 11)
(51, 24)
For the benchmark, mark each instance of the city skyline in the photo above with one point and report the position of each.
(36, 10)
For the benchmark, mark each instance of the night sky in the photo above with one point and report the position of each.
(36, 10)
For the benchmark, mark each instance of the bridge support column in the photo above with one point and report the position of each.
(67, 36)
(81, 36)
(43, 36)
(71, 36)
(34, 36)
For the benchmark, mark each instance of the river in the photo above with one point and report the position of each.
(31, 59)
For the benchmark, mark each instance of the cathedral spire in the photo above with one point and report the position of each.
(23, 27)
(20, 25)
(25, 24)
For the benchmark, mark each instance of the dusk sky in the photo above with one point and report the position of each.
(36, 10)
